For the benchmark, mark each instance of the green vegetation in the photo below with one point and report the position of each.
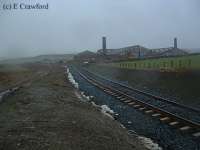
(179, 63)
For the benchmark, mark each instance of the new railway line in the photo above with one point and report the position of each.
(12, 89)
(15, 87)
(181, 117)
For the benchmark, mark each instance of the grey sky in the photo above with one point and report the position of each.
(75, 25)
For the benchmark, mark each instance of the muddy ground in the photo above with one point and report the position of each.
(46, 114)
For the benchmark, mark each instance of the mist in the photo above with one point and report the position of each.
(71, 26)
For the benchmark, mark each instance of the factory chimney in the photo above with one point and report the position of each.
(175, 43)
(104, 43)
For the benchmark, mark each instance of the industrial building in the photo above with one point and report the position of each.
(130, 52)
(138, 51)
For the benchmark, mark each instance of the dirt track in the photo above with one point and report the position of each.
(46, 114)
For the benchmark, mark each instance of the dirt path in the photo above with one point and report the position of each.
(46, 114)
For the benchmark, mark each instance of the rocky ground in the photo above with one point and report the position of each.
(46, 114)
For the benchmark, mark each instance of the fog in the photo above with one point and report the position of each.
(70, 26)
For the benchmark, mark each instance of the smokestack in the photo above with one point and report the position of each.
(104, 43)
(175, 43)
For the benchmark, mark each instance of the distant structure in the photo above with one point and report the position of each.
(138, 51)
(85, 56)
(175, 43)
(135, 51)
(104, 44)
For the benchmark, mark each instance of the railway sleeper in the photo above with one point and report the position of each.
(149, 111)
(106, 90)
(185, 128)
(136, 106)
(174, 123)
(142, 108)
(127, 101)
(196, 134)
(120, 97)
(123, 99)
(156, 115)
(131, 103)
(164, 119)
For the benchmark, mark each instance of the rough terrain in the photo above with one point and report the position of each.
(45, 114)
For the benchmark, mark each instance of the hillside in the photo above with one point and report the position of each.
(41, 58)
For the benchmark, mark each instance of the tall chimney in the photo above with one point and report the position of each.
(104, 43)
(175, 43)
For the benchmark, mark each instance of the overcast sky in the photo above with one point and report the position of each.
(76, 25)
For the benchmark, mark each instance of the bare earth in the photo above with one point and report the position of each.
(46, 114)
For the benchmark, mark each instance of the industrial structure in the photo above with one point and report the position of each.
(104, 44)
(129, 53)
(138, 51)
(175, 43)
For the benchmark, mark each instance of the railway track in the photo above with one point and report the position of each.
(171, 106)
(158, 111)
